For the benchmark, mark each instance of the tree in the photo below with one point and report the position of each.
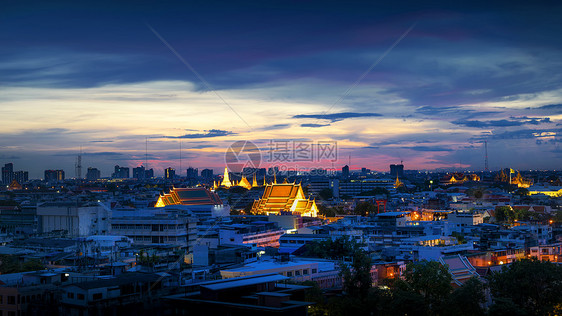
(460, 237)
(558, 216)
(11, 264)
(534, 286)
(326, 194)
(425, 282)
(357, 275)
(336, 249)
(32, 265)
(326, 211)
(314, 294)
(504, 214)
(365, 208)
(238, 190)
(467, 300)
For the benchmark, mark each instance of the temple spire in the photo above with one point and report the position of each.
(226, 179)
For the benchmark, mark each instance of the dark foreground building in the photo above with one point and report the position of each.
(263, 294)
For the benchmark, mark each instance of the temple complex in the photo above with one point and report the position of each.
(188, 196)
(459, 177)
(285, 198)
(518, 179)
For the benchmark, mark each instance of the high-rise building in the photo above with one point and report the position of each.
(192, 173)
(169, 173)
(8, 173)
(54, 175)
(345, 171)
(149, 173)
(93, 174)
(142, 173)
(21, 176)
(397, 171)
(139, 172)
(120, 172)
(207, 174)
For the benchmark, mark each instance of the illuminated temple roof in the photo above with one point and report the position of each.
(245, 183)
(226, 180)
(188, 196)
(459, 177)
(285, 197)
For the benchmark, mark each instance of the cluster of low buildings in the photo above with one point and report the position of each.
(123, 246)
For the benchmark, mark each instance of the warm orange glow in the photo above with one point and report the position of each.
(226, 180)
(285, 197)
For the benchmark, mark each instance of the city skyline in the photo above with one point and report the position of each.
(422, 84)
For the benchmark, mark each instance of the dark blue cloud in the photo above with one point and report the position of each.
(202, 146)
(520, 134)
(312, 125)
(556, 108)
(515, 121)
(274, 127)
(103, 153)
(208, 134)
(429, 148)
(335, 117)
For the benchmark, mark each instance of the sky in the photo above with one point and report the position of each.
(423, 82)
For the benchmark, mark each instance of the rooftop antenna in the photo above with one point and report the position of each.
(146, 154)
(486, 155)
(180, 171)
(78, 165)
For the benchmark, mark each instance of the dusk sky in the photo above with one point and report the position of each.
(423, 82)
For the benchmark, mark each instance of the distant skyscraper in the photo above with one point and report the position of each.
(149, 173)
(139, 172)
(192, 173)
(8, 173)
(397, 171)
(365, 171)
(120, 172)
(345, 171)
(21, 176)
(169, 173)
(93, 174)
(54, 175)
(207, 174)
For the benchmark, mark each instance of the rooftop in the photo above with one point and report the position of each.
(243, 281)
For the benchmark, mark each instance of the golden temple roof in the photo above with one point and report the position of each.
(285, 197)
(188, 196)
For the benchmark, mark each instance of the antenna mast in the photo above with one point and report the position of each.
(78, 165)
(180, 159)
(486, 156)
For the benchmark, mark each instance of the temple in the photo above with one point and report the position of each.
(188, 196)
(226, 179)
(398, 183)
(285, 198)
(459, 177)
(244, 183)
(518, 179)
